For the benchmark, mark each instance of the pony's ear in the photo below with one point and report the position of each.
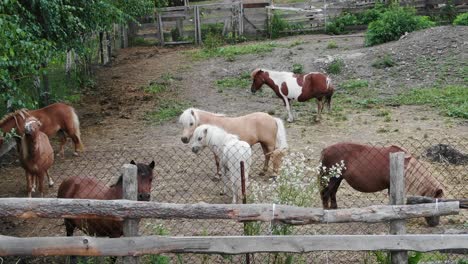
(205, 131)
(193, 113)
(132, 162)
(439, 193)
(151, 165)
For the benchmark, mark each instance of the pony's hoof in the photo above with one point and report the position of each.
(221, 193)
(76, 154)
(51, 185)
(290, 120)
(261, 174)
(273, 177)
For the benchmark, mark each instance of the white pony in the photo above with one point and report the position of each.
(231, 151)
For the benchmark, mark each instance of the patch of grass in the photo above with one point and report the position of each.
(450, 100)
(384, 62)
(166, 110)
(332, 45)
(336, 66)
(388, 118)
(231, 51)
(354, 84)
(139, 41)
(297, 68)
(383, 113)
(369, 103)
(233, 82)
(296, 43)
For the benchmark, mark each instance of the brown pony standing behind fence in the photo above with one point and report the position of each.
(36, 155)
(56, 118)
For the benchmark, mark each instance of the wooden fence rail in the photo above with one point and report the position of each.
(120, 209)
(137, 246)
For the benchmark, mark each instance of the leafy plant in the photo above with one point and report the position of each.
(233, 82)
(167, 110)
(461, 20)
(233, 51)
(297, 68)
(213, 41)
(384, 62)
(336, 66)
(277, 25)
(354, 84)
(332, 45)
(394, 23)
(337, 25)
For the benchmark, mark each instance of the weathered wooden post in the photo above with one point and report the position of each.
(244, 201)
(101, 46)
(130, 192)
(397, 197)
(160, 30)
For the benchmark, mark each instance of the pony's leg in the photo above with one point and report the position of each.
(49, 179)
(78, 145)
(70, 228)
(325, 196)
(277, 157)
(29, 184)
(224, 180)
(289, 109)
(40, 179)
(319, 109)
(266, 151)
(218, 170)
(233, 178)
(334, 189)
(63, 141)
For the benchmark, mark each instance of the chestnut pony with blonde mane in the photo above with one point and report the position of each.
(36, 155)
(56, 118)
(253, 128)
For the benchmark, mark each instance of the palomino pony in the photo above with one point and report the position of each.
(252, 128)
(231, 150)
(55, 118)
(301, 87)
(36, 155)
(92, 188)
(368, 170)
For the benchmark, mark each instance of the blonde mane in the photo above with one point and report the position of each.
(22, 112)
(254, 73)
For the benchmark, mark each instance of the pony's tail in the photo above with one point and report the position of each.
(331, 90)
(76, 126)
(281, 141)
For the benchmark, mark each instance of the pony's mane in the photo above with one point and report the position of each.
(20, 112)
(119, 181)
(255, 72)
(186, 115)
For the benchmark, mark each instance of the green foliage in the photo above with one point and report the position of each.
(337, 25)
(213, 41)
(277, 25)
(393, 23)
(167, 110)
(336, 66)
(232, 51)
(233, 82)
(450, 100)
(354, 84)
(297, 68)
(332, 45)
(461, 20)
(384, 62)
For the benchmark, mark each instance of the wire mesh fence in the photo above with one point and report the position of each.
(181, 176)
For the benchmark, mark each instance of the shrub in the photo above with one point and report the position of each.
(385, 62)
(278, 25)
(297, 68)
(337, 25)
(461, 20)
(332, 45)
(213, 41)
(336, 66)
(393, 23)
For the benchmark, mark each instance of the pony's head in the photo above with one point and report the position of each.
(145, 178)
(201, 137)
(257, 80)
(189, 121)
(31, 125)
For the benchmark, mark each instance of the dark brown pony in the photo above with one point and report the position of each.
(92, 188)
(56, 118)
(368, 170)
(36, 155)
(301, 87)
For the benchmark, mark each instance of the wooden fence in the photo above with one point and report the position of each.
(131, 211)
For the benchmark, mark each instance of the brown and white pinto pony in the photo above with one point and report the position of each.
(36, 155)
(252, 128)
(368, 170)
(56, 118)
(301, 87)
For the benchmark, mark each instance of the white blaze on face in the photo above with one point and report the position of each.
(294, 90)
(188, 122)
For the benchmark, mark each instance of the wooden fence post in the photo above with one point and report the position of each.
(130, 192)
(397, 197)
(244, 201)
(160, 30)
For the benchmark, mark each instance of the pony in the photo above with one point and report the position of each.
(56, 118)
(36, 155)
(253, 128)
(231, 150)
(301, 87)
(367, 169)
(91, 188)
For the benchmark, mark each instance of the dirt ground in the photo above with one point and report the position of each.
(113, 114)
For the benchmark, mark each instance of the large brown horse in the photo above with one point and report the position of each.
(301, 87)
(368, 170)
(92, 188)
(56, 118)
(252, 128)
(36, 155)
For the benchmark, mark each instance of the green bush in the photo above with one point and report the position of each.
(278, 25)
(213, 41)
(336, 66)
(332, 45)
(337, 25)
(297, 68)
(461, 20)
(393, 23)
(386, 61)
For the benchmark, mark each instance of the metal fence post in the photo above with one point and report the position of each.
(244, 201)
(130, 192)
(397, 197)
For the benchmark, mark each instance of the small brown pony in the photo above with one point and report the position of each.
(55, 118)
(252, 128)
(368, 170)
(36, 155)
(92, 188)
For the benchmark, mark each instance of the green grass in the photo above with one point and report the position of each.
(384, 62)
(336, 66)
(451, 100)
(332, 45)
(167, 110)
(233, 82)
(231, 51)
(354, 84)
